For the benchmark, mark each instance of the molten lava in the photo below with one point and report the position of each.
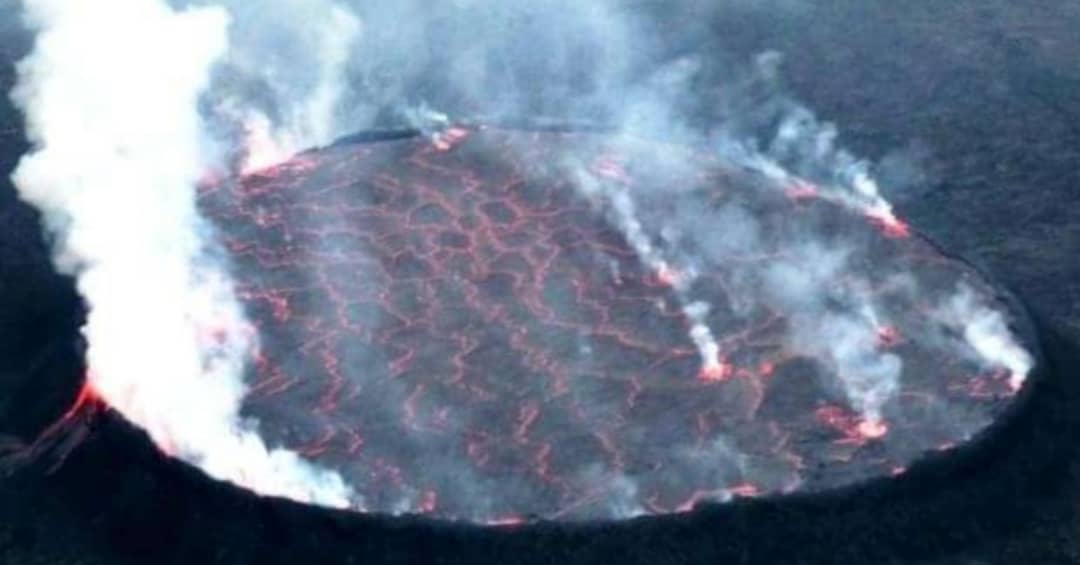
(489, 325)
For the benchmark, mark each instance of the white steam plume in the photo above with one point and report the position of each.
(846, 338)
(616, 197)
(110, 95)
(294, 54)
(986, 332)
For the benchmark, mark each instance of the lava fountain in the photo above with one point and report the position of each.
(491, 325)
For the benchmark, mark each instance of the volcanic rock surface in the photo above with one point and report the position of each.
(491, 325)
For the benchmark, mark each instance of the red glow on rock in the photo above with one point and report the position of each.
(446, 140)
(745, 489)
(872, 429)
(801, 190)
(88, 397)
(507, 521)
(610, 168)
(854, 428)
(702, 496)
(667, 276)
(716, 371)
(890, 225)
(1016, 382)
(261, 150)
(429, 501)
(887, 336)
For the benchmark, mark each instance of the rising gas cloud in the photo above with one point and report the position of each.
(111, 95)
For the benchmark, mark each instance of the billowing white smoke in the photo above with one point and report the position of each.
(110, 95)
(293, 53)
(804, 153)
(985, 331)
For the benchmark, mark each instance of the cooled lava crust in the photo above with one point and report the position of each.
(459, 329)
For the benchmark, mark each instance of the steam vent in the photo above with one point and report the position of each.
(491, 325)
